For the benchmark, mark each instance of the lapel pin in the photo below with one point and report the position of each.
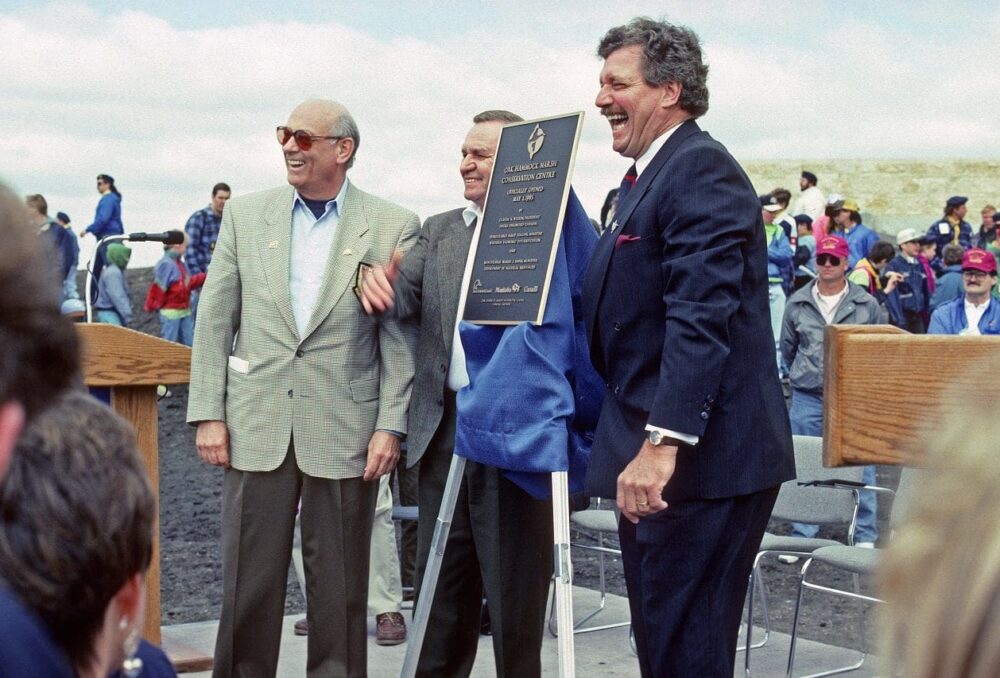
(273, 245)
(348, 252)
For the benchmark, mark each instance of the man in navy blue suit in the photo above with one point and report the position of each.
(693, 439)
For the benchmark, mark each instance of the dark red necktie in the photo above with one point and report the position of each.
(628, 183)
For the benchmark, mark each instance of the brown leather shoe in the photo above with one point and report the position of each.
(302, 627)
(390, 628)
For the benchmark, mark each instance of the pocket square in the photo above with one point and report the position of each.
(625, 238)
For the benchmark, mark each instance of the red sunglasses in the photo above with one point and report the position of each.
(303, 139)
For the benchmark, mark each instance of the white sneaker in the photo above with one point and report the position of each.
(788, 560)
(865, 545)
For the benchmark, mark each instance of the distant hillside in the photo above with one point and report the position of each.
(893, 194)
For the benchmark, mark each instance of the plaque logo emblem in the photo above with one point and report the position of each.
(535, 141)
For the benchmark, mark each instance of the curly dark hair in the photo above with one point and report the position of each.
(40, 351)
(76, 518)
(670, 54)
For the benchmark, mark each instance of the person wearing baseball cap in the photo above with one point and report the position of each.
(859, 237)
(827, 300)
(909, 303)
(779, 269)
(952, 227)
(976, 312)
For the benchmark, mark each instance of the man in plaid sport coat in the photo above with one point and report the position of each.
(297, 392)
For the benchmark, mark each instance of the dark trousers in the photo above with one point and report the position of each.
(686, 569)
(407, 483)
(501, 542)
(258, 517)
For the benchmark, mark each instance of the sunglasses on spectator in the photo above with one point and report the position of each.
(825, 259)
(303, 139)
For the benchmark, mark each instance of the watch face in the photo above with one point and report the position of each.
(655, 437)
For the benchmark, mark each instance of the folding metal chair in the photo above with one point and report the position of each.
(802, 504)
(853, 559)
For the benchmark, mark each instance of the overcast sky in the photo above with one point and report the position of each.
(172, 96)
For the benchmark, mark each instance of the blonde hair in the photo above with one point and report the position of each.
(941, 574)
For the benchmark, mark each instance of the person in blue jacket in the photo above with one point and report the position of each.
(909, 303)
(779, 270)
(108, 219)
(976, 312)
(859, 237)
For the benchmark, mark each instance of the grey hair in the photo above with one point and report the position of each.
(345, 127)
(497, 115)
(670, 54)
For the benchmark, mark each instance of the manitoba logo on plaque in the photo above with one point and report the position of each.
(518, 236)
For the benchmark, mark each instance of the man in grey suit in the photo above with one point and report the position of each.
(501, 537)
(297, 393)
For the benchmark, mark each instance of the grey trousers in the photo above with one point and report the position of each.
(258, 516)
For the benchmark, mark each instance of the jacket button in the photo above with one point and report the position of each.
(440, 402)
(616, 390)
(299, 353)
(618, 327)
(704, 415)
(444, 368)
(290, 393)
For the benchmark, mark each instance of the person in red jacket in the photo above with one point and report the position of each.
(170, 294)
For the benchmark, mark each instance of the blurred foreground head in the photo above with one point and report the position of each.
(38, 347)
(941, 573)
(76, 529)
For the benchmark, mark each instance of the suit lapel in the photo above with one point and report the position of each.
(598, 268)
(648, 176)
(351, 243)
(275, 248)
(452, 251)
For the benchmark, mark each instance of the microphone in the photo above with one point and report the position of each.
(167, 237)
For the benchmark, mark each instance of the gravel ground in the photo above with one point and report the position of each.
(191, 576)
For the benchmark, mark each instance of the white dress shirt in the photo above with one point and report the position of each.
(458, 375)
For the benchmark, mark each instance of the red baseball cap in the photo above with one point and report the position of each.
(831, 244)
(979, 260)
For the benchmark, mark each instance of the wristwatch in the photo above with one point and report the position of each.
(660, 438)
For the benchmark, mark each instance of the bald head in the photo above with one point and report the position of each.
(317, 161)
(337, 120)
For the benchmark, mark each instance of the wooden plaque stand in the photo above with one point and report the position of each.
(133, 364)
(884, 388)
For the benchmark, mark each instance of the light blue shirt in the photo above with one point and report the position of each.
(309, 253)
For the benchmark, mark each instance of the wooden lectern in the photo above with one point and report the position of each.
(884, 388)
(133, 364)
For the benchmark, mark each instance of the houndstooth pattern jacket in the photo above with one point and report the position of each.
(348, 375)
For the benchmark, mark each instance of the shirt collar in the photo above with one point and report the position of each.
(643, 161)
(471, 213)
(970, 305)
(339, 199)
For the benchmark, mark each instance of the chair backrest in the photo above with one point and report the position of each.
(816, 505)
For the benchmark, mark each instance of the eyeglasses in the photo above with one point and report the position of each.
(825, 259)
(303, 139)
(972, 273)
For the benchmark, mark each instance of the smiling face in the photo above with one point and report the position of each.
(319, 172)
(478, 150)
(638, 112)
